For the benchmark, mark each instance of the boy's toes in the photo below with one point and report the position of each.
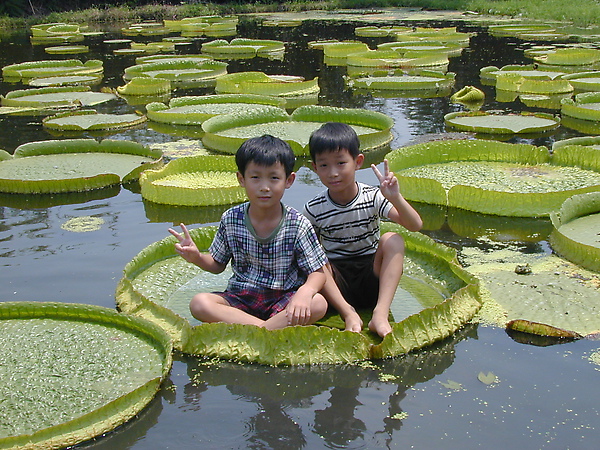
(382, 329)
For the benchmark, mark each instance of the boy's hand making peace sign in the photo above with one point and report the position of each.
(388, 183)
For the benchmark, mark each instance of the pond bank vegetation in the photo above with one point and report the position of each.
(19, 13)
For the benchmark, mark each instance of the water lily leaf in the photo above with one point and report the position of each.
(140, 86)
(226, 133)
(158, 284)
(72, 372)
(66, 80)
(194, 110)
(584, 81)
(203, 180)
(576, 226)
(56, 97)
(484, 122)
(489, 74)
(91, 120)
(392, 58)
(73, 165)
(573, 56)
(453, 385)
(67, 49)
(505, 30)
(260, 83)
(541, 329)
(178, 71)
(33, 69)
(172, 58)
(585, 106)
(429, 80)
(519, 83)
(487, 378)
(243, 46)
(83, 224)
(468, 94)
(423, 48)
(443, 35)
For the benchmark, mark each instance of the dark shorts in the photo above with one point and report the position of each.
(356, 280)
(260, 303)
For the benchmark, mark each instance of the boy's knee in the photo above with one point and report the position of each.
(198, 305)
(319, 306)
(391, 241)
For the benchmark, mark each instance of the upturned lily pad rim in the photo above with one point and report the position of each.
(573, 208)
(551, 122)
(114, 413)
(305, 344)
(491, 202)
(575, 107)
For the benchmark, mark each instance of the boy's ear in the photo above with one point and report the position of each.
(240, 178)
(290, 180)
(360, 159)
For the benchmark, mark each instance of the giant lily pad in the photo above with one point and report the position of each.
(194, 110)
(73, 165)
(55, 97)
(32, 69)
(489, 74)
(494, 177)
(423, 48)
(91, 120)
(524, 84)
(585, 106)
(204, 180)
(72, 372)
(392, 58)
(491, 123)
(262, 84)
(243, 47)
(157, 284)
(67, 49)
(584, 81)
(576, 234)
(423, 81)
(227, 132)
(178, 71)
(573, 56)
(65, 80)
(443, 35)
(141, 86)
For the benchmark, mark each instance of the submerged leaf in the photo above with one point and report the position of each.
(487, 378)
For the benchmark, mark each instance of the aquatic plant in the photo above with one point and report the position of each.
(570, 56)
(415, 48)
(225, 133)
(423, 80)
(260, 83)
(489, 74)
(31, 69)
(178, 71)
(244, 47)
(203, 180)
(494, 177)
(584, 81)
(72, 372)
(51, 166)
(526, 85)
(55, 97)
(67, 49)
(145, 86)
(498, 123)
(392, 58)
(585, 106)
(157, 284)
(65, 80)
(193, 110)
(468, 95)
(91, 120)
(576, 226)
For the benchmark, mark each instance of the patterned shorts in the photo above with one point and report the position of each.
(261, 303)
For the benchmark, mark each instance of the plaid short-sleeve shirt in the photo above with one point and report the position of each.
(282, 261)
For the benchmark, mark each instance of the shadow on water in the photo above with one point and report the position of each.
(544, 397)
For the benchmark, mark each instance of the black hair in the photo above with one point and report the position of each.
(265, 150)
(333, 136)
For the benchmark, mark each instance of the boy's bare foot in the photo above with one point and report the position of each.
(353, 322)
(380, 326)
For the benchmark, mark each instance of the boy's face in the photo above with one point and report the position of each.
(337, 169)
(265, 185)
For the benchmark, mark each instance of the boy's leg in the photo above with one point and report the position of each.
(318, 308)
(334, 297)
(388, 266)
(209, 307)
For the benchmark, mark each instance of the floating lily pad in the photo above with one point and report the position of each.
(422, 48)
(194, 110)
(225, 133)
(538, 85)
(584, 81)
(572, 56)
(33, 69)
(443, 35)
(55, 29)
(576, 234)
(67, 49)
(73, 165)
(260, 83)
(66, 80)
(172, 58)
(490, 123)
(244, 47)
(56, 97)
(72, 372)
(374, 31)
(145, 86)
(585, 106)
(515, 29)
(204, 180)
(158, 283)
(468, 95)
(425, 80)
(494, 177)
(91, 120)
(179, 71)
(392, 58)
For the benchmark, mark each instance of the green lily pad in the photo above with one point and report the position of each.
(443, 35)
(423, 48)
(140, 86)
(375, 31)
(73, 165)
(67, 49)
(72, 372)
(468, 95)
(225, 133)
(66, 80)
(490, 123)
(576, 234)
(157, 280)
(172, 58)
(56, 97)
(584, 81)
(573, 56)
(392, 58)
(194, 110)
(494, 177)
(243, 46)
(203, 180)
(523, 84)
(260, 83)
(91, 120)
(585, 106)
(506, 30)
(425, 80)
(178, 71)
(33, 69)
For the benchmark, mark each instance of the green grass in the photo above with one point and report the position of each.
(585, 13)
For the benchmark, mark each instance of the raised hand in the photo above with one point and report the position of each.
(388, 183)
(186, 246)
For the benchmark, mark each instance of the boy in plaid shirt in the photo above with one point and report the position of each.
(277, 261)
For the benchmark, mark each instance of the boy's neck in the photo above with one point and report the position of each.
(265, 220)
(345, 197)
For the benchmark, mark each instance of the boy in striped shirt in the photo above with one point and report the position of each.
(366, 266)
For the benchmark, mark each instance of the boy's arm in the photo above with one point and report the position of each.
(402, 212)
(298, 309)
(189, 251)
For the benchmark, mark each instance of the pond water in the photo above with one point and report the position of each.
(544, 397)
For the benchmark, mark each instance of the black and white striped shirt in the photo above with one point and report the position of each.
(348, 230)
